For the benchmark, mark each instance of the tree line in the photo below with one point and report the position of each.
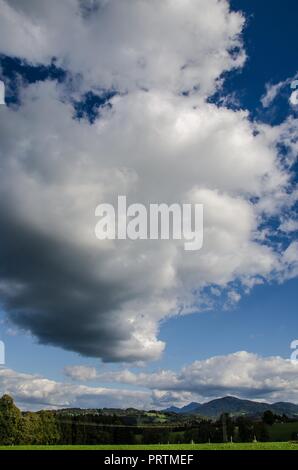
(54, 427)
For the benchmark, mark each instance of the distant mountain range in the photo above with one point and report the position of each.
(235, 406)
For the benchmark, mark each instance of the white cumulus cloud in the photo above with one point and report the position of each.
(153, 144)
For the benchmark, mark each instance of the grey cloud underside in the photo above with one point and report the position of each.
(53, 294)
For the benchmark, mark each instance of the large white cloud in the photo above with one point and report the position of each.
(242, 374)
(169, 44)
(106, 299)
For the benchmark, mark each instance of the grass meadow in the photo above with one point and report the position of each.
(191, 447)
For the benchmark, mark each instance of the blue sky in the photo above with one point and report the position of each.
(264, 321)
(270, 38)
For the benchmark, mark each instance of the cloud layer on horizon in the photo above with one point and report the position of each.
(240, 374)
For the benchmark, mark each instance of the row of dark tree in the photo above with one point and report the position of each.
(50, 427)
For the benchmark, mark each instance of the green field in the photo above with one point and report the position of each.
(238, 446)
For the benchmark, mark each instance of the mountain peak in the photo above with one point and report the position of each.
(237, 407)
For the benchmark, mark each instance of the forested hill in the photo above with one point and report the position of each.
(236, 406)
